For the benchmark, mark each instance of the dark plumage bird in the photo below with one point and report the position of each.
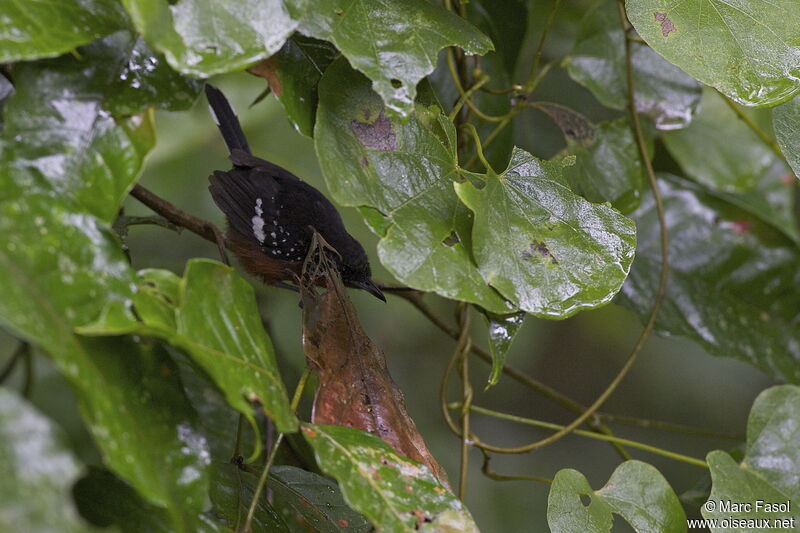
(271, 211)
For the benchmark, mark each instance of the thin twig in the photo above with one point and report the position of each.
(179, 217)
(588, 434)
(488, 472)
(262, 480)
(463, 347)
(762, 135)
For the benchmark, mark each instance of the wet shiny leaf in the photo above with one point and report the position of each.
(105, 500)
(307, 500)
(607, 166)
(663, 91)
(140, 78)
(548, 251)
(38, 471)
(404, 171)
(397, 52)
(718, 149)
(231, 493)
(205, 37)
(64, 168)
(211, 314)
(786, 121)
(293, 75)
(395, 493)
(748, 50)
(43, 28)
(63, 139)
(656, 509)
(732, 283)
(502, 330)
(769, 471)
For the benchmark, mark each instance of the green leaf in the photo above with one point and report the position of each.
(394, 43)
(770, 467)
(37, 471)
(295, 72)
(395, 493)
(607, 166)
(404, 171)
(502, 330)
(60, 135)
(732, 283)
(307, 500)
(747, 50)
(663, 92)
(205, 37)
(636, 491)
(211, 314)
(718, 149)
(105, 500)
(137, 77)
(64, 167)
(786, 121)
(231, 493)
(548, 251)
(32, 29)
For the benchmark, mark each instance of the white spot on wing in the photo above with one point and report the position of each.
(258, 222)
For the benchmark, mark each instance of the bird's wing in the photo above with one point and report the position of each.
(256, 207)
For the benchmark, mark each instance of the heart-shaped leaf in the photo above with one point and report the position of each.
(402, 172)
(748, 50)
(397, 52)
(765, 484)
(205, 37)
(636, 491)
(663, 92)
(544, 248)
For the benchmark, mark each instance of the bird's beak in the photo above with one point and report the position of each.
(371, 288)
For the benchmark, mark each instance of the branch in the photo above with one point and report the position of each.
(179, 217)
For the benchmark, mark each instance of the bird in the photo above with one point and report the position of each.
(272, 214)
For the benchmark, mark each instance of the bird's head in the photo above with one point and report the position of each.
(356, 272)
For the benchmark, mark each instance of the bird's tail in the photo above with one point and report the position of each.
(226, 120)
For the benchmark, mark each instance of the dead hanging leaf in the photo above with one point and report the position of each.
(268, 69)
(355, 388)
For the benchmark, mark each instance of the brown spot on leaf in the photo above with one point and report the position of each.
(377, 134)
(342, 522)
(539, 249)
(364, 162)
(788, 179)
(310, 432)
(667, 26)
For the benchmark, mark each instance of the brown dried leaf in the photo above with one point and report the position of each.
(355, 388)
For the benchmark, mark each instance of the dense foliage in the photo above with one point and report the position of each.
(675, 196)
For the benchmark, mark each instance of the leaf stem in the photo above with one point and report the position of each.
(262, 480)
(531, 83)
(462, 350)
(762, 135)
(588, 434)
(478, 148)
(488, 472)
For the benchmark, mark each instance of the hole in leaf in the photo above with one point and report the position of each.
(451, 240)
(396, 83)
(585, 500)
